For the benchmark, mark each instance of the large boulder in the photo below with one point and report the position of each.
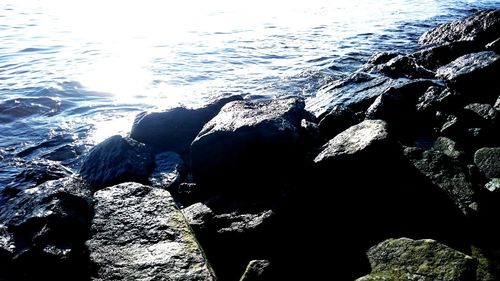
(257, 270)
(482, 28)
(432, 58)
(396, 105)
(475, 73)
(251, 141)
(417, 260)
(175, 128)
(43, 231)
(488, 161)
(117, 159)
(356, 92)
(337, 120)
(138, 234)
(443, 164)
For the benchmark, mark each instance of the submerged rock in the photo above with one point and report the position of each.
(488, 161)
(175, 128)
(138, 234)
(482, 28)
(43, 230)
(117, 159)
(251, 141)
(416, 260)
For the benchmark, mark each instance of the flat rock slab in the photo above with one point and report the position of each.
(426, 259)
(139, 234)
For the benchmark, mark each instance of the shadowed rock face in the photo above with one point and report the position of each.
(138, 234)
(488, 161)
(175, 129)
(481, 28)
(251, 141)
(415, 260)
(43, 230)
(117, 160)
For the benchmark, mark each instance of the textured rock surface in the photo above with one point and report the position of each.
(481, 27)
(249, 140)
(417, 260)
(369, 135)
(175, 129)
(356, 92)
(472, 73)
(488, 161)
(257, 270)
(138, 234)
(43, 230)
(443, 166)
(117, 160)
(169, 171)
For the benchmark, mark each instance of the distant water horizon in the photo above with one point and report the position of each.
(73, 73)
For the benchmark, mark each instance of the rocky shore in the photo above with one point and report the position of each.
(392, 173)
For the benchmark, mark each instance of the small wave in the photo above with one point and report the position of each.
(13, 109)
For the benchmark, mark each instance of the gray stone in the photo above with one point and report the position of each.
(487, 159)
(494, 46)
(493, 185)
(175, 128)
(481, 28)
(443, 165)
(485, 112)
(418, 260)
(369, 135)
(199, 216)
(405, 66)
(497, 104)
(337, 120)
(432, 58)
(117, 159)
(356, 92)
(475, 73)
(138, 234)
(43, 230)
(257, 270)
(250, 140)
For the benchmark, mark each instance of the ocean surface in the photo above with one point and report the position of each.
(73, 73)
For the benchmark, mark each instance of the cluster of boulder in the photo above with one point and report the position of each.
(392, 173)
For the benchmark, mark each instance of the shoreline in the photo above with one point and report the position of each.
(399, 159)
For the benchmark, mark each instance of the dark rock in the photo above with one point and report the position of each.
(381, 58)
(337, 120)
(493, 185)
(117, 160)
(356, 92)
(34, 173)
(482, 27)
(444, 166)
(199, 216)
(497, 104)
(138, 234)
(257, 270)
(406, 66)
(494, 46)
(250, 140)
(43, 230)
(188, 193)
(407, 259)
(309, 133)
(484, 112)
(397, 104)
(488, 161)
(475, 73)
(175, 129)
(242, 222)
(169, 171)
(437, 98)
(434, 57)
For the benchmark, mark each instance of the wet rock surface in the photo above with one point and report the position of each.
(138, 234)
(116, 160)
(175, 129)
(407, 146)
